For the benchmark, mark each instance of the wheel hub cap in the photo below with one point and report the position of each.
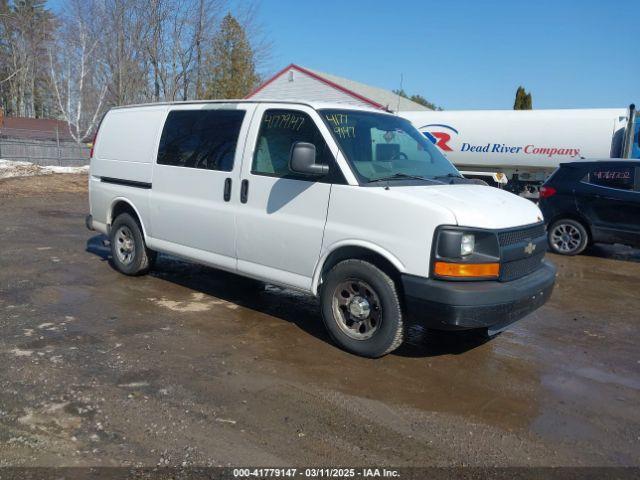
(566, 238)
(124, 245)
(127, 246)
(359, 308)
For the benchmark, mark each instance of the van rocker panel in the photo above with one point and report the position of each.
(448, 305)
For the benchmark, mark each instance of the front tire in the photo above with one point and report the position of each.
(567, 237)
(361, 309)
(129, 253)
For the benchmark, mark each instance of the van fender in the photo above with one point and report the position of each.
(317, 273)
(128, 202)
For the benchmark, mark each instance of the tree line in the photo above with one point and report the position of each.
(95, 54)
(418, 99)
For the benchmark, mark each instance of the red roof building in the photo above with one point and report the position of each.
(300, 83)
(34, 128)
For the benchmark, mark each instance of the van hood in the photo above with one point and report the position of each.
(474, 205)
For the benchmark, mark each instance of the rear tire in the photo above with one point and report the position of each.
(567, 237)
(361, 309)
(129, 253)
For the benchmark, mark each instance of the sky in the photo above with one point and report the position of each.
(465, 54)
(468, 54)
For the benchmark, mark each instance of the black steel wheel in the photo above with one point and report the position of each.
(361, 309)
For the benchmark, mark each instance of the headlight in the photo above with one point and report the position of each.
(467, 244)
(465, 254)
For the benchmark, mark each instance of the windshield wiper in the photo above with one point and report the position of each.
(449, 175)
(399, 176)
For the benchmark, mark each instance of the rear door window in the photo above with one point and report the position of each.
(618, 177)
(204, 139)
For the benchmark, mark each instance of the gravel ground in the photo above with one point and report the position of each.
(187, 367)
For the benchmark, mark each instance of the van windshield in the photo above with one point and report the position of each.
(380, 146)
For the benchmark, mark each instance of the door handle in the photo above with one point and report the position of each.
(244, 191)
(227, 189)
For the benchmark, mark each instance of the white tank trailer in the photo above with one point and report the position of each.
(518, 149)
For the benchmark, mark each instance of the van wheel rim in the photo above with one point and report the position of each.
(566, 238)
(357, 309)
(125, 246)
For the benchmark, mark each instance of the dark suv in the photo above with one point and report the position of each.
(587, 202)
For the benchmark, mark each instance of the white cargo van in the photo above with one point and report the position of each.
(354, 206)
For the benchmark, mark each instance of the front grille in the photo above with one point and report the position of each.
(519, 268)
(510, 237)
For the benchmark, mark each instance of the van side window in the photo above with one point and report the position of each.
(618, 177)
(279, 130)
(200, 139)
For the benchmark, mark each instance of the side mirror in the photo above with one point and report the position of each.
(303, 160)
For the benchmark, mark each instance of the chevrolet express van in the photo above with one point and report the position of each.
(351, 205)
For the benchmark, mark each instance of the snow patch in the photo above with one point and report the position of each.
(59, 169)
(11, 168)
(21, 353)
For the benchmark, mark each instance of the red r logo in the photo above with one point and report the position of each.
(443, 138)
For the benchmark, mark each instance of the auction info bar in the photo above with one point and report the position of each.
(232, 473)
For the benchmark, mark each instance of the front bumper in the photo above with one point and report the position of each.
(448, 305)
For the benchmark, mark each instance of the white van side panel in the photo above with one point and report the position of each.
(376, 219)
(127, 143)
(125, 150)
(104, 196)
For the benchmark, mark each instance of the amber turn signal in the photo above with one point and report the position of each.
(467, 270)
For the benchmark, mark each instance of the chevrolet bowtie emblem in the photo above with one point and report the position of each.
(530, 248)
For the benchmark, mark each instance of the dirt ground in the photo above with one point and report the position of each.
(186, 367)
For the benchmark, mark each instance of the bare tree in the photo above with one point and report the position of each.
(176, 38)
(122, 49)
(25, 31)
(198, 38)
(207, 19)
(256, 32)
(100, 53)
(77, 75)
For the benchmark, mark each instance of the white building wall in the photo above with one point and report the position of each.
(296, 85)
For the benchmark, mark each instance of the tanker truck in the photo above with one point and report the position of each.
(518, 149)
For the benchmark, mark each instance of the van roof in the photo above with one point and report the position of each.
(314, 105)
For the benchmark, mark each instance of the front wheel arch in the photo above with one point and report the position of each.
(356, 252)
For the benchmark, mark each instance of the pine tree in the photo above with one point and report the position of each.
(231, 63)
(523, 100)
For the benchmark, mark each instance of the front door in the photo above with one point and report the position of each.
(282, 214)
(198, 167)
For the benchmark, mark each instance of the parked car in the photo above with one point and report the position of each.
(589, 202)
(351, 205)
